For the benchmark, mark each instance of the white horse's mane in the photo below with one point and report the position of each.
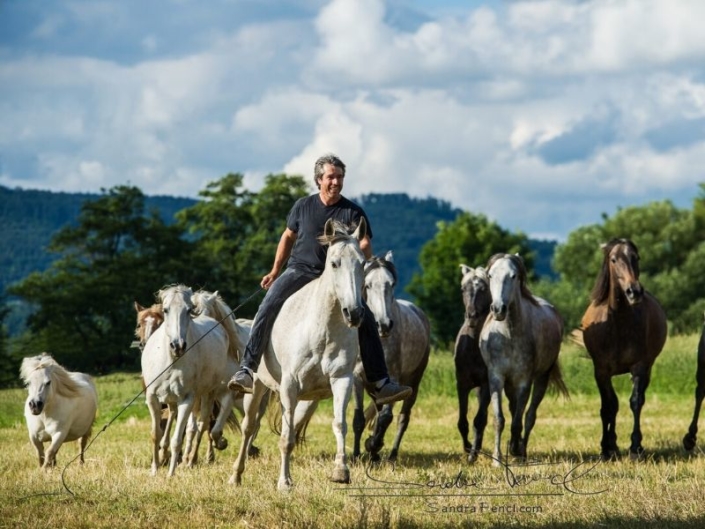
(62, 380)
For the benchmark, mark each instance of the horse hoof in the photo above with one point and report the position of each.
(472, 457)
(688, 443)
(221, 444)
(235, 480)
(611, 455)
(371, 447)
(253, 451)
(285, 485)
(639, 455)
(340, 475)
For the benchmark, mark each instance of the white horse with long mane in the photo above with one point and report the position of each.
(312, 352)
(187, 360)
(61, 406)
(405, 333)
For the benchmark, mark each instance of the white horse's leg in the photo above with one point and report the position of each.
(56, 441)
(190, 437)
(225, 402)
(250, 425)
(496, 386)
(164, 441)
(39, 447)
(199, 423)
(358, 416)
(288, 393)
(342, 388)
(82, 442)
(155, 412)
(185, 407)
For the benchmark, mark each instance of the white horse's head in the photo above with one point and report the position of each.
(380, 280)
(178, 310)
(344, 266)
(507, 277)
(43, 376)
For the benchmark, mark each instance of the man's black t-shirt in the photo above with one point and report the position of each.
(308, 218)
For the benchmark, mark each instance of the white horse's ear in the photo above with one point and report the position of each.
(389, 257)
(465, 269)
(328, 229)
(361, 230)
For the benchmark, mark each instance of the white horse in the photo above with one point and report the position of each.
(519, 342)
(188, 359)
(312, 352)
(405, 333)
(61, 406)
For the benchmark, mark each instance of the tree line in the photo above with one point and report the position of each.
(119, 251)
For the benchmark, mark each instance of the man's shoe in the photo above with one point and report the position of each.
(241, 381)
(391, 392)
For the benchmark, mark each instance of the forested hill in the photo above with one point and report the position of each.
(30, 218)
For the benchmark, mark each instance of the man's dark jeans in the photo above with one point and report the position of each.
(290, 281)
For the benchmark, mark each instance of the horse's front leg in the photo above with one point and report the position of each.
(288, 393)
(225, 408)
(185, 408)
(403, 422)
(57, 439)
(39, 448)
(155, 412)
(250, 425)
(496, 386)
(171, 412)
(463, 390)
(375, 442)
(358, 416)
(537, 395)
(692, 436)
(342, 388)
(640, 382)
(82, 442)
(608, 414)
(480, 422)
(517, 448)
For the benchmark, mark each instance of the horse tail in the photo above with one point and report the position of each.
(274, 415)
(231, 421)
(556, 382)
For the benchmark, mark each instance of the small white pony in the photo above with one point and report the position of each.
(312, 352)
(61, 406)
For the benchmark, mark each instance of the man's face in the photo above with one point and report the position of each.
(331, 182)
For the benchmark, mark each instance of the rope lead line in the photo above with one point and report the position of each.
(110, 422)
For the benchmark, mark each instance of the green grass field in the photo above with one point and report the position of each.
(431, 485)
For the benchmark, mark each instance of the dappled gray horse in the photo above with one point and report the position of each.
(520, 342)
(405, 333)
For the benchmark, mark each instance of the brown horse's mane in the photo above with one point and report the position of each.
(601, 291)
(519, 263)
(381, 262)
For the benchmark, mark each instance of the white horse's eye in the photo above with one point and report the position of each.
(335, 264)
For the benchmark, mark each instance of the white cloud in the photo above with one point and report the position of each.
(540, 114)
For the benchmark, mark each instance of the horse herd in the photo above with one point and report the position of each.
(508, 345)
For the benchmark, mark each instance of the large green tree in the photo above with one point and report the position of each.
(469, 239)
(116, 254)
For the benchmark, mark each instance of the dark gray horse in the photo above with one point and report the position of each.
(691, 437)
(470, 368)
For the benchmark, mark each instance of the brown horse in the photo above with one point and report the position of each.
(691, 437)
(470, 368)
(624, 330)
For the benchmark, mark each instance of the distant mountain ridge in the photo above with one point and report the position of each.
(30, 218)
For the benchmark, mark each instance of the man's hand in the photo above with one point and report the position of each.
(268, 280)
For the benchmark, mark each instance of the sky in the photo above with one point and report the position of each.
(542, 115)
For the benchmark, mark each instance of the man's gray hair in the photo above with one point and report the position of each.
(323, 160)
